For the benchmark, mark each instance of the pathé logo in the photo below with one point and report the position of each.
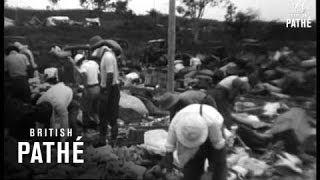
(298, 6)
(299, 16)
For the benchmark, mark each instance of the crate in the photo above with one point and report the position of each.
(162, 78)
(155, 76)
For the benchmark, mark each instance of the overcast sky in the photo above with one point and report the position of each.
(268, 9)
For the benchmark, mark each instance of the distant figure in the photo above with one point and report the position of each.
(16, 65)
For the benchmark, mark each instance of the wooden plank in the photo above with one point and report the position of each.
(171, 45)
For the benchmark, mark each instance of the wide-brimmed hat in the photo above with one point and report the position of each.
(192, 130)
(97, 41)
(167, 100)
(19, 45)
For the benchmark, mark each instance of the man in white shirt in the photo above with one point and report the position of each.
(89, 71)
(196, 133)
(225, 93)
(109, 93)
(59, 96)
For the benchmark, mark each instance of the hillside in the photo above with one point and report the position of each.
(139, 29)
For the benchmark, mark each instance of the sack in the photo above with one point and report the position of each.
(155, 140)
(132, 102)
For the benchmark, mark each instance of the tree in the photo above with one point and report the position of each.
(99, 5)
(238, 23)
(195, 9)
(154, 14)
(120, 7)
(231, 11)
(53, 4)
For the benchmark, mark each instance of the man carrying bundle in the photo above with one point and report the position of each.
(107, 51)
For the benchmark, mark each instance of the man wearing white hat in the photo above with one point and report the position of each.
(107, 52)
(196, 133)
(89, 71)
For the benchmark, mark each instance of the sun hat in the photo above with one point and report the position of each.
(78, 57)
(167, 100)
(191, 130)
(97, 41)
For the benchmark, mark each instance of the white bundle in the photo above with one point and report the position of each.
(132, 76)
(155, 140)
(178, 67)
(51, 72)
(271, 109)
(195, 62)
(131, 102)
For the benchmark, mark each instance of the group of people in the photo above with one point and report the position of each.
(199, 118)
(55, 107)
(19, 65)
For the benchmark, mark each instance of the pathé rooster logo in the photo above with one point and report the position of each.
(298, 6)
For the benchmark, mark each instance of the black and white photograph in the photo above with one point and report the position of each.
(160, 89)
